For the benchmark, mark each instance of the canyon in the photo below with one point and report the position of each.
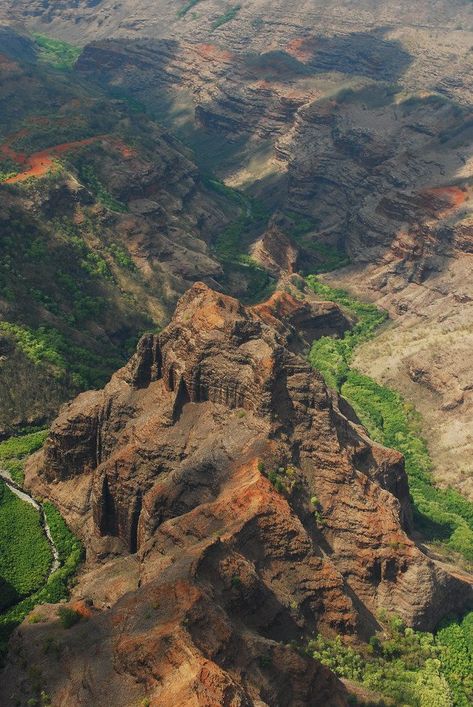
(352, 124)
(179, 168)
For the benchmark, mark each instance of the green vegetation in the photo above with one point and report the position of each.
(227, 17)
(60, 270)
(284, 479)
(48, 346)
(188, 6)
(25, 555)
(90, 179)
(122, 257)
(50, 134)
(328, 257)
(58, 54)
(231, 245)
(68, 617)
(332, 357)
(57, 586)
(14, 451)
(8, 168)
(36, 344)
(443, 516)
(408, 667)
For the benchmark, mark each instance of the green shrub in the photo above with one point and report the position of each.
(68, 617)
(227, 17)
(60, 55)
(409, 667)
(188, 6)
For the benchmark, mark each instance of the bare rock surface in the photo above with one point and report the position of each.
(198, 566)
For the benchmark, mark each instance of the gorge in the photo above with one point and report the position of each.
(235, 267)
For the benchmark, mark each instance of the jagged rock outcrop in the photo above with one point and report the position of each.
(301, 321)
(354, 117)
(249, 508)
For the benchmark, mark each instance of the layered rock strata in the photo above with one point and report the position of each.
(229, 504)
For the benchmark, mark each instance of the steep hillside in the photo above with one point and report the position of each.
(236, 505)
(104, 221)
(246, 541)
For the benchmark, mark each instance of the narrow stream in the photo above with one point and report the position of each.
(24, 496)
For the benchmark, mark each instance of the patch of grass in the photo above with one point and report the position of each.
(8, 168)
(57, 587)
(68, 617)
(25, 555)
(442, 515)
(14, 451)
(227, 17)
(58, 54)
(188, 6)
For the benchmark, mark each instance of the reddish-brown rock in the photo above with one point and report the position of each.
(168, 466)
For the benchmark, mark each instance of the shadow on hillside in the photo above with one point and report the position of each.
(8, 595)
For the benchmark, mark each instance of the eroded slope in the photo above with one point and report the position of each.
(254, 508)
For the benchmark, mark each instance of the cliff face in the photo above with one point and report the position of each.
(228, 501)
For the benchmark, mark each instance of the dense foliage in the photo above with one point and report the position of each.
(231, 244)
(25, 555)
(326, 257)
(57, 585)
(408, 667)
(58, 271)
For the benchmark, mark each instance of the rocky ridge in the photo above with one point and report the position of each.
(228, 501)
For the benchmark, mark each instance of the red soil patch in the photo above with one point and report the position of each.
(280, 305)
(211, 51)
(81, 608)
(301, 49)
(39, 163)
(450, 196)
